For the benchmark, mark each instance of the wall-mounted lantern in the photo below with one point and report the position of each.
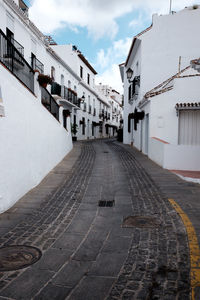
(82, 99)
(129, 74)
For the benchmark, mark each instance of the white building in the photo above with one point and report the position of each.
(161, 77)
(95, 114)
(35, 121)
(33, 138)
(113, 111)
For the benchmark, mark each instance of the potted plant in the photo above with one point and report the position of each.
(44, 80)
(74, 130)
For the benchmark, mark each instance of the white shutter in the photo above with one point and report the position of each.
(189, 127)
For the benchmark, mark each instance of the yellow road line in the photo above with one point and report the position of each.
(193, 246)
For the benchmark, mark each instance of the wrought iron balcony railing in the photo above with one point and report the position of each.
(50, 104)
(18, 46)
(65, 93)
(37, 65)
(15, 62)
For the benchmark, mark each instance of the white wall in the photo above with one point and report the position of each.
(156, 151)
(170, 37)
(164, 120)
(32, 141)
(174, 157)
(181, 157)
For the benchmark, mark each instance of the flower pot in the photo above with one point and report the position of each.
(44, 85)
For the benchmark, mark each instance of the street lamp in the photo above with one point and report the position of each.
(82, 99)
(129, 74)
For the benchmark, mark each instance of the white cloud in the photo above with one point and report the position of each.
(111, 77)
(107, 63)
(138, 22)
(99, 17)
(113, 54)
(146, 8)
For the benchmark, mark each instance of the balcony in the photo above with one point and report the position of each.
(37, 65)
(65, 93)
(56, 89)
(49, 102)
(18, 46)
(14, 61)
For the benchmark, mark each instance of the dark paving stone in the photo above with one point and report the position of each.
(92, 288)
(53, 292)
(116, 244)
(72, 273)
(68, 241)
(53, 259)
(108, 264)
(80, 226)
(27, 284)
(91, 246)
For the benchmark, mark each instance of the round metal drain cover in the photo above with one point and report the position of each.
(18, 257)
(140, 221)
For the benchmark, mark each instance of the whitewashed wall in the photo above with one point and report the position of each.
(32, 141)
(170, 37)
(181, 157)
(165, 123)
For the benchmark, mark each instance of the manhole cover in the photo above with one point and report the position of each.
(103, 203)
(105, 152)
(140, 221)
(18, 257)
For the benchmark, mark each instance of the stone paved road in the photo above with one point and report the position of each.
(87, 253)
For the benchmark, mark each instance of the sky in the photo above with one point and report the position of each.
(101, 29)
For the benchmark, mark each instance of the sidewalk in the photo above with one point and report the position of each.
(192, 176)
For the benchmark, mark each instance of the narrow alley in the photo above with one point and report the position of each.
(106, 223)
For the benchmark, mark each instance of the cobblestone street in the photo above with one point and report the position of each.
(95, 252)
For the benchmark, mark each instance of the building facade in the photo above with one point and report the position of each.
(94, 116)
(155, 75)
(45, 99)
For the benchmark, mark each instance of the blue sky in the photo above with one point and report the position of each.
(101, 29)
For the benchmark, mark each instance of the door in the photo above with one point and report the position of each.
(141, 135)
(147, 134)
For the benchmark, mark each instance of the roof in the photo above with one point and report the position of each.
(87, 63)
(189, 105)
(134, 40)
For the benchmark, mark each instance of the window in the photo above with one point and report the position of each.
(129, 93)
(53, 73)
(69, 84)
(62, 80)
(81, 71)
(83, 126)
(189, 124)
(88, 78)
